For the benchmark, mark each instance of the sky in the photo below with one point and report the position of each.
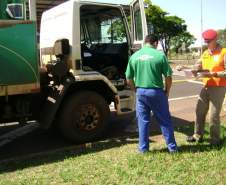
(213, 16)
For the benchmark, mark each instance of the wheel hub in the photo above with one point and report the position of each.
(89, 117)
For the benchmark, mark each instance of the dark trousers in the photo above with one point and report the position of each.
(212, 97)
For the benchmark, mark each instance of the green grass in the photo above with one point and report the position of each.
(116, 161)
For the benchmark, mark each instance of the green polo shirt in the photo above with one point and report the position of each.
(147, 66)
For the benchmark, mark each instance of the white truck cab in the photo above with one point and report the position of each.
(100, 38)
(94, 40)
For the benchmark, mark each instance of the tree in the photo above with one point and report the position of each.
(173, 26)
(178, 41)
(117, 30)
(165, 27)
(222, 37)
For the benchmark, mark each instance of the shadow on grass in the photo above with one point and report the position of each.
(180, 125)
(64, 153)
(187, 128)
(37, 148)
(196, 148)
(202, 147)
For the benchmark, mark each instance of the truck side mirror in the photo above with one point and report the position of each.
(15, 10)
(61, 48)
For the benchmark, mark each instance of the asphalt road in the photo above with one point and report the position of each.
(184, 89)
(40, 141)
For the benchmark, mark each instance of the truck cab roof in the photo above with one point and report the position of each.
(121, 2)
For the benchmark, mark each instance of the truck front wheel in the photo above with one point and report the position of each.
(84, 116)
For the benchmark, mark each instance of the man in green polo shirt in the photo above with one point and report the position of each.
(144, 73)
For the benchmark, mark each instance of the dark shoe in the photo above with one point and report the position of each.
(194, 138)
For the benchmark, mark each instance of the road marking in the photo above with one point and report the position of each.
(191, 81)
(183, 98)
(196, 82)
(177, 81)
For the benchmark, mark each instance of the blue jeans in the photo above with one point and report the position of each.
(156, 101)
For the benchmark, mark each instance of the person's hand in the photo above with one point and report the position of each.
(207, 74)
(214, 74)
(194, 72)
(167, 93)
(180, 68)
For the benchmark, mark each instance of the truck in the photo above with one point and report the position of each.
(66, 71)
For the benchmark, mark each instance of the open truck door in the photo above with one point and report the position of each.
(138, 33)
(138, 24)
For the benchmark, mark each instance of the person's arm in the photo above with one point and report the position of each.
(167, 72)
(131, 84)
(197, 67)
(221, 74)
(130, 75)
(168, 84)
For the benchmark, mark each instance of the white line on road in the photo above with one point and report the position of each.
(183, 98)
(196, 82)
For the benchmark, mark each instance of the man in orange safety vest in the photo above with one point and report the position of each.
(213, 92)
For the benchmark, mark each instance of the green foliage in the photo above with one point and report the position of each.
(165, 26)
(117, 30)
(182, 41)
(222, 37)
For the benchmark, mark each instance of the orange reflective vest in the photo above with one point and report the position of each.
(214, 62)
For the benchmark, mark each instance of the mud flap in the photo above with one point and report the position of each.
(52, 104)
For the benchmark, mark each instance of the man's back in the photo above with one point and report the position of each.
(147, 67)
(144, 71)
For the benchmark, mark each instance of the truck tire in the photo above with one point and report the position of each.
(84, 116)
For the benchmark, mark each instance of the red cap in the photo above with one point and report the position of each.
(209, 34)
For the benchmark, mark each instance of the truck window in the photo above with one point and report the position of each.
(104, 40)
(106, 26)
(137, 21)
(113, 31)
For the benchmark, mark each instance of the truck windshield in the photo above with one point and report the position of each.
(102, 25)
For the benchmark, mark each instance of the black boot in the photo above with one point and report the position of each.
(194, 138)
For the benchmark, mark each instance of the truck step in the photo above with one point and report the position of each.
(124, 97)
(124, 110)
(14, 134)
